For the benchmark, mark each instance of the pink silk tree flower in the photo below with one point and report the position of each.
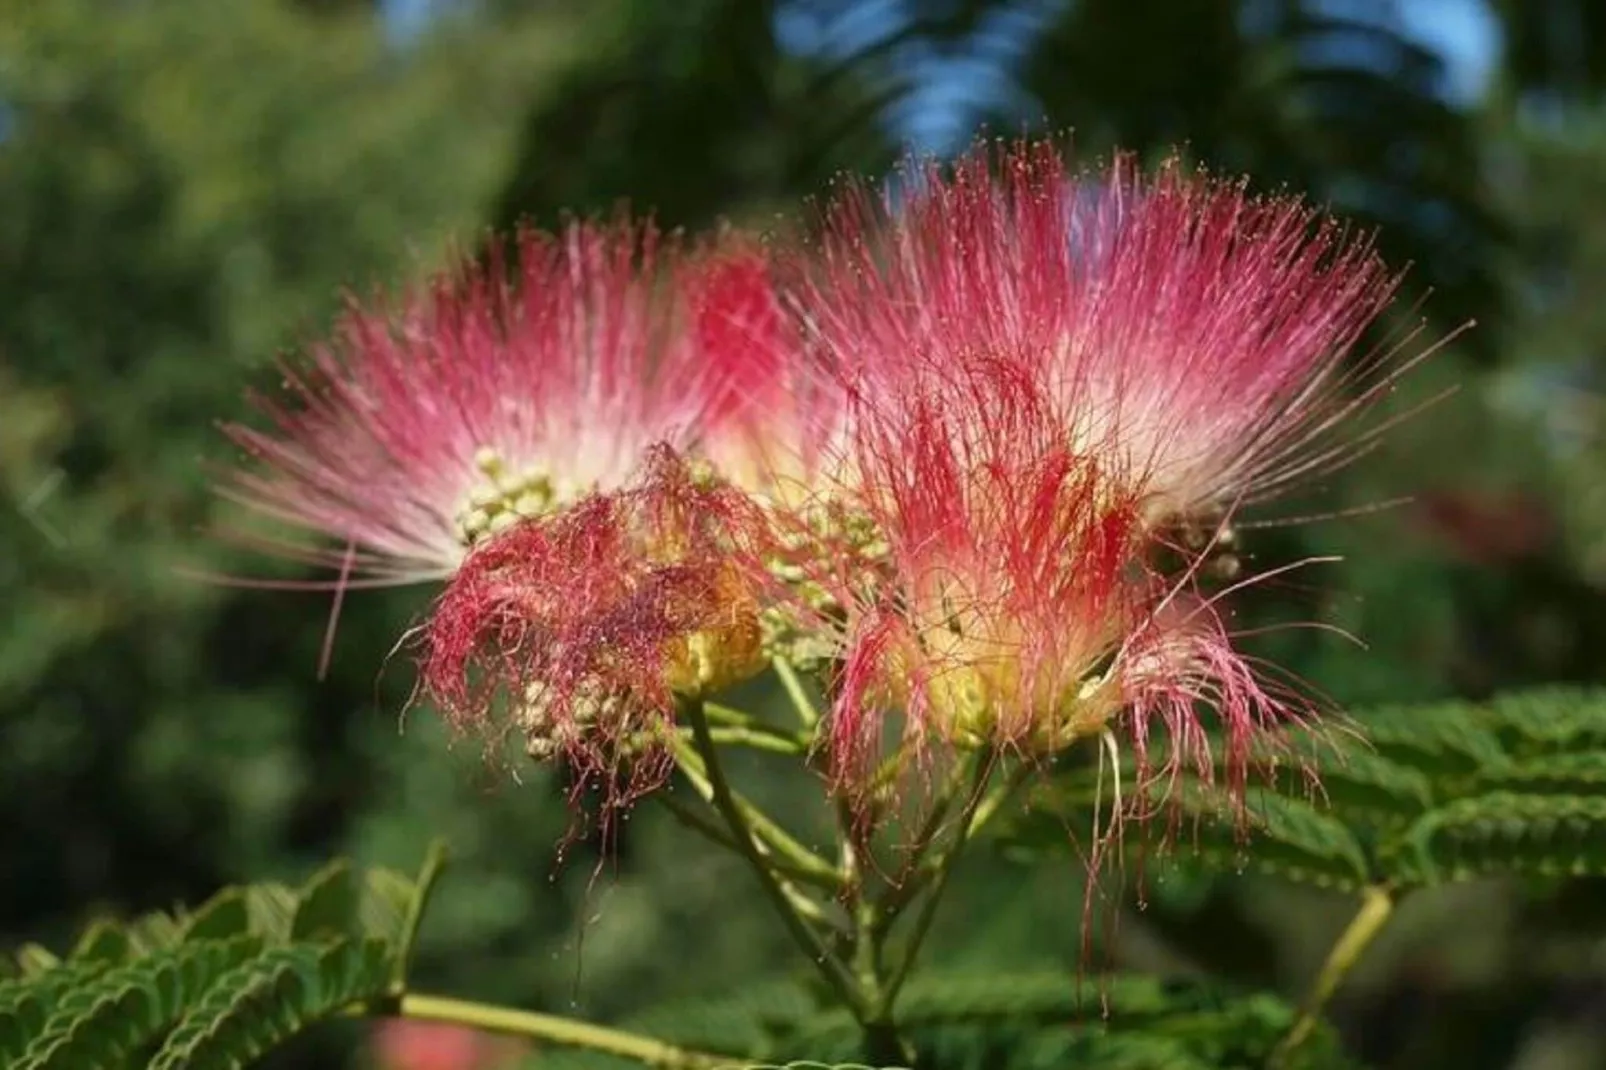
(775, 421)
(505, 390)
(1194, 333)
(580, 630)
(1018, 606)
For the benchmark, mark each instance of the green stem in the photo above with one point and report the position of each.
(719, 714)
(1377, 905)
(997, 797)
(824, 958)
(860, 909)
(911, 875)
(942, 870)
(725, 717)
(882, 1043)
(717, 834)
(914, 877)
(758, 738)
(551, 1029)
(807, 713)
(773, 840)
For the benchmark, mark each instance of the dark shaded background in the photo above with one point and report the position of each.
(186, 185)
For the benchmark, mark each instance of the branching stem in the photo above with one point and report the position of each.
(825, 959)
(942, 868)
(772, 839)
(717, 833)
(744, 728)
(758, 738)
(915, 877)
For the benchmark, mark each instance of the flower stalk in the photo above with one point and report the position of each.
(831, 968)
(807, 714)
(1377, 906)
(772, 840)
(942, 867)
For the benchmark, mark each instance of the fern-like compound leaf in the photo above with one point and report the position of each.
(218, 985)
(270, 998)
(126, 1008)
(1503, 832)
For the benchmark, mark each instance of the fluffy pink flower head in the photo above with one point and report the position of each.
(579, 630)
(1018, 606)
(1192, 334)
(503, 391)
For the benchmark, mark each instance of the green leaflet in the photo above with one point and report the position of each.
(1291, 838)
(1444, 741)
(103, 941)
(1575, 773)
(272, 908)
(26, 1003)
(390, 897)
(327, 905)
(222, 916)
(1503, 832)
(33, 959)
(1360, 787)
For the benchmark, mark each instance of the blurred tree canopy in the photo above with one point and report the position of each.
(189, 185)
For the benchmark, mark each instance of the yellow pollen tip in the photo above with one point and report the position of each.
(503, 498)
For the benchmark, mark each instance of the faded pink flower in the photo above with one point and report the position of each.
(399, 1044)
(505, 390)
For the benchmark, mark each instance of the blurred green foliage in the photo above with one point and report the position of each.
(188, 186)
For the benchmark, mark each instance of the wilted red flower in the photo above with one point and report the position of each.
(506, 389)
(580, 629)
(1191, 333)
